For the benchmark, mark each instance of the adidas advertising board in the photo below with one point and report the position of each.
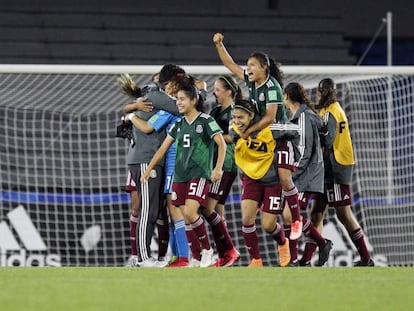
(21, 243)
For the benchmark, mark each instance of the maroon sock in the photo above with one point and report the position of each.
(251, 240)
(357, 238)
(193, 242)
(220, 230)
(200, 230)
(293, 244)
(310, 231)
(310, 248)
(217, 235)
(163, 236)
(278, 235)
(133, 234)
(292, 199)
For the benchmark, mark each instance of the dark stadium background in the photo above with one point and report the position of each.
(314, 32)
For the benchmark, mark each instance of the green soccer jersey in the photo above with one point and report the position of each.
(223, 118)
(269, 92)
(195, 147)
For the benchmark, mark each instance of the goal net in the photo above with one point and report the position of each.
(63, 170)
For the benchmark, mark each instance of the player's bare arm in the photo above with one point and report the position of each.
(139, 104)
(228, 139)
(225, 57)
(217, 172)
(139, 123)
(168, 141)
(267, 119)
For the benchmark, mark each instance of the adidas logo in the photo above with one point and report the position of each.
(12, 253)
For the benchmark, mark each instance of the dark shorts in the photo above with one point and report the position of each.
(195, 189)
(304, 198)
(221, 189)
(269, 198)
(335, 195)
(285, 156)
(130, 183)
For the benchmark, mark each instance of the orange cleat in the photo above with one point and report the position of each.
(256, 263)
(284, 253)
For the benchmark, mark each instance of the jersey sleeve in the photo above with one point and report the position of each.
(162, 101)
(274, 95)
(330, 121)
(212, 127)
(160, 120)
(173, 131)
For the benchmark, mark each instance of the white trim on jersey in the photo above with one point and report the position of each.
(302, 137)
(284, 127)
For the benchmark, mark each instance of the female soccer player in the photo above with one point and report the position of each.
(264, 80)
(339, 161)
(139, 155)
(195, 136)
(164, 120)
(255, 156)
(309, 175)
(226, 91)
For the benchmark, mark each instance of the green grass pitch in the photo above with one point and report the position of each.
(210, 289)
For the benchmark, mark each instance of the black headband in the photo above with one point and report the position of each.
(243, 108)
(233, 88)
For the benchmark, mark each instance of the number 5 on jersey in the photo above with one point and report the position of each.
(186, 141)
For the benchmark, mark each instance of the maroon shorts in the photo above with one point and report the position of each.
(335, 195)
(221, 189)
(195, 189)
(304, 198)
(130, 183)
(285, 156)
(269, 198)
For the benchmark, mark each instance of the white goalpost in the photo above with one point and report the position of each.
(63, 170)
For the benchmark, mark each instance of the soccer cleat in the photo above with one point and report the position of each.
(132, 261)
(360, 263)
(324, 253)
(149, 263)
(206, 258)
(179, 263)
(256, 263)
(194, 263)
(293, 263)
(296, 230)
(305, 264)
(284, 253)
(218, 263)
(173, 259)
(161, 263)
(230, 257)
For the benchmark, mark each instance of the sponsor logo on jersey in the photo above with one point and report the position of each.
(31, 251)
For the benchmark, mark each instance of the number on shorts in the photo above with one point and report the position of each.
(274, 204)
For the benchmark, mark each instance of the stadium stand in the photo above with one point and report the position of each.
(130, 32)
